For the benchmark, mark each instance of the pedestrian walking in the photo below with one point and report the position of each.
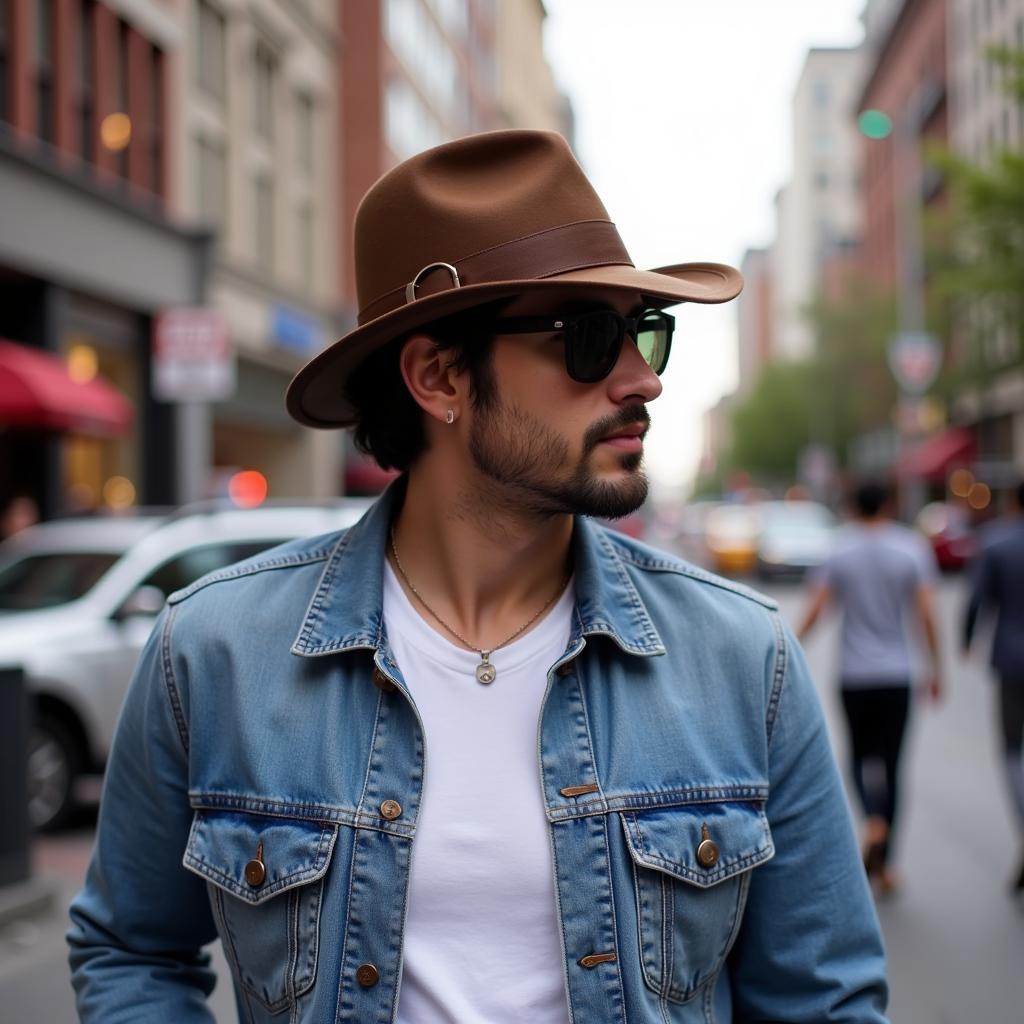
(880, 576)
(478, 758)
(998, 587)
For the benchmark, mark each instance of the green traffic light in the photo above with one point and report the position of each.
(875, 124)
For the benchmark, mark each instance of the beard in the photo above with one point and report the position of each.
(528, 459)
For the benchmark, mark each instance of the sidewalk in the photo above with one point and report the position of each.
(35, 980)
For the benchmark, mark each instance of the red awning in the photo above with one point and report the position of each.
(932, 459)
(36, 391)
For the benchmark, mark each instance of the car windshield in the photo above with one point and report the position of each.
(51, 578)
(794, 518)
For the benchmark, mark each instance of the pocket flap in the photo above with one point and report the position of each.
(222, 843)
(667, 839)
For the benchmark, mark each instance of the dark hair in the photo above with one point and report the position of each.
(389, 423)
(1020, 495)
(870, 497)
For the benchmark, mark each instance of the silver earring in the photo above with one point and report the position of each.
(449, 417)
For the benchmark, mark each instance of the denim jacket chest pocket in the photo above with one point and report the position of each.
(690, 900)
(268, 915)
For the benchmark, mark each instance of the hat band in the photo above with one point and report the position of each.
(587, 243)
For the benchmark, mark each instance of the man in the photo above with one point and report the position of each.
(880, 574)
(479, 759)
(998, 585)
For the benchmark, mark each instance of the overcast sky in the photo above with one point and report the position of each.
(683, 124)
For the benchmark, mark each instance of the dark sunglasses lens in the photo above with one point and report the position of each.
(653, 336)
(594, 346)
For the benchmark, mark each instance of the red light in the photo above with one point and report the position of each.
(248, 488)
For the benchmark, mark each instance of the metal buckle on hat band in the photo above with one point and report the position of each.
(410, 288)
(580, 245)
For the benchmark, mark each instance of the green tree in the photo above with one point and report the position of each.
(854, 391)
(975, 249)
(773, 424)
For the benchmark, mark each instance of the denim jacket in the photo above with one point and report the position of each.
(268, 768)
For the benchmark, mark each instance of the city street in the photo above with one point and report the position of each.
(954, 935)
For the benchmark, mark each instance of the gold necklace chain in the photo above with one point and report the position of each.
(486, 673)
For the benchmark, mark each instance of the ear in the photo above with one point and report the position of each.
(434, 385)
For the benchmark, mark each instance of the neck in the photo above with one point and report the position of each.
(482, 566)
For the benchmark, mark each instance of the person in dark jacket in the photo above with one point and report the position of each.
(998, 586)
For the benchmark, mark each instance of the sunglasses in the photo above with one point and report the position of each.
(593, 341)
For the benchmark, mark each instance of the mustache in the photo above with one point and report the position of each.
(626, 416)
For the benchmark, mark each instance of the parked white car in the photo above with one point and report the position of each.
(78, 599)
(795, 538)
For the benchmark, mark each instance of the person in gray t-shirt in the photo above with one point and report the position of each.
(878, 572)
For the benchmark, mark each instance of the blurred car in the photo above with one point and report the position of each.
(948, 529)
(689, 538)
(730, 537)
(78, 599)
(795, 536)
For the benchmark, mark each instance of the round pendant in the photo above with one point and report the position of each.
(486, 673)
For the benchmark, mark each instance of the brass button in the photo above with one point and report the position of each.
(367, 975)
(255, 873)
(565, 669)
(707, 852)
(381, 681)
(391, 809)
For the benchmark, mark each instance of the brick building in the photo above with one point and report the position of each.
(88, 250)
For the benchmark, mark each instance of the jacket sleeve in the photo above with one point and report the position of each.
(810, 947)
(981, 594)
(139, 924)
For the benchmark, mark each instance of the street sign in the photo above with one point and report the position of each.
(914, 358)
(193, 360)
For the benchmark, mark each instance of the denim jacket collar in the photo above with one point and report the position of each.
(345, 612)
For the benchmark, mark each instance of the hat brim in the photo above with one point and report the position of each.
(316, 395)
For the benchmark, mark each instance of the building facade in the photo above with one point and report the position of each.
(528, 96)
(907, 80)
(984, 120)
(818, 210)
(90, 250)
(256, 122)
(754, 317)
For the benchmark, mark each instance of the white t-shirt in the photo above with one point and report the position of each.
(874, 573)
(482, 941)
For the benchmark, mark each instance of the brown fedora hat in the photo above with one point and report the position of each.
(478, 219)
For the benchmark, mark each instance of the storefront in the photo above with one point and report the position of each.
(83, 270)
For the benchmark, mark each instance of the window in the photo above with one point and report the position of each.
(414, 38)
(48, 579)
(307, 243)
(187, 567)
(264, 72)
(454, 15)
(42, 51)
(408, 126)
(84, 87)
(211, 180)
(4, 15)
(210, 61)
(156, 121)
(122, 90)
(305, 128)
(263, 203)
